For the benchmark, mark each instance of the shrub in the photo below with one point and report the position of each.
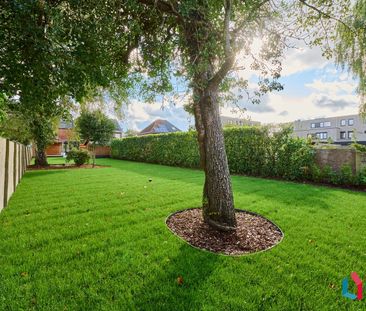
(327, 174)
(316, 173)
(80, 157)
(346, 175)
(361, 177)
(250, 151)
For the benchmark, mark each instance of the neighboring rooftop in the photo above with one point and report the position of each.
(158, 127)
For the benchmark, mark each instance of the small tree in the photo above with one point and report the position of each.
(95, 128)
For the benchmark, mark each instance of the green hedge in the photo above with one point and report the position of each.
(250, 151)
(175, 149)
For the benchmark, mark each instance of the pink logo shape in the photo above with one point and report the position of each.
(358, 283)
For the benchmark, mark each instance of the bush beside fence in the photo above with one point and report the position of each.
(14, 158)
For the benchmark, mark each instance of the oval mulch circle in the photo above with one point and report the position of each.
(254, 233)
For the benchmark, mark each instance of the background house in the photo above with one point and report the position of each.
(118, 130)
(340, 130)
(158, 127)
(66, 135)
(238, 121)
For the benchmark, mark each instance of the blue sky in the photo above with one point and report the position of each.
(313, 87)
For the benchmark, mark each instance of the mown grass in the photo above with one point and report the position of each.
(96, 239)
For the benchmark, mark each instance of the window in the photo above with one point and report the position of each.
(322, 135)
(321, 124)
(312, 125)
(350, 134)
(343, 135)
(343, 122)
(350, 122)
(327, 124)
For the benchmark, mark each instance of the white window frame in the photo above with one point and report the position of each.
(343, 122)
(351, 122)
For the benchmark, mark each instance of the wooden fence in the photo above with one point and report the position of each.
(14, 158)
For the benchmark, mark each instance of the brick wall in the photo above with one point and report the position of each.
(336, 158)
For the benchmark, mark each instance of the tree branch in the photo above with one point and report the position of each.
(253, 10)
(228, 5)
(164, 6)
(327, 15)
(229, 54)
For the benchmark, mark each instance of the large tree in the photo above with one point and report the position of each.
(54, 53)
(138, 45)
(204, 40)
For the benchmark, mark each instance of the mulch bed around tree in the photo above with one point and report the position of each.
(62, 166)
(254, 233)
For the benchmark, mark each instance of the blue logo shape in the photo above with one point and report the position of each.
(345, 291)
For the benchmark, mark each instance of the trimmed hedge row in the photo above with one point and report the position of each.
(174, 149)
(250, 151)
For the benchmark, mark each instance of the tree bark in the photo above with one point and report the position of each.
(218, 203)
(41, 157)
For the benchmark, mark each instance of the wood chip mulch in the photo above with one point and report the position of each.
(62, 166)
(254, 233)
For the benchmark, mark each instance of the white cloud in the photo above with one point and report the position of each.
(301, 59)
(333, 87)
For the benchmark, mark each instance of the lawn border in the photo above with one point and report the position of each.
(222, 254)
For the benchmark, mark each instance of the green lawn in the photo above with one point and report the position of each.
(96, 239)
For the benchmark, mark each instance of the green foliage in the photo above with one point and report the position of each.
(361, 177)
(176, 149)
(345, 176)
(95, 127)
(359, 147)
(351, 45)
(56, 52)
(15, 128)
(79, 157)
(2, 107)
(250, 150)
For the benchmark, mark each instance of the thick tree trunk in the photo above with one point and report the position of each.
(218, 203)
(41, 158)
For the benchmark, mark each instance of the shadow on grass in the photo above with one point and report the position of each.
(33, 174)
(163, 292)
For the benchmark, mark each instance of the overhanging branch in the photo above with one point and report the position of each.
(326, 15)
(168, 7)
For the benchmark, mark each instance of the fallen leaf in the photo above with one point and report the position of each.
(180, 280)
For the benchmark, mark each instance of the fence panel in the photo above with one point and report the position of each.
(14, 158)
